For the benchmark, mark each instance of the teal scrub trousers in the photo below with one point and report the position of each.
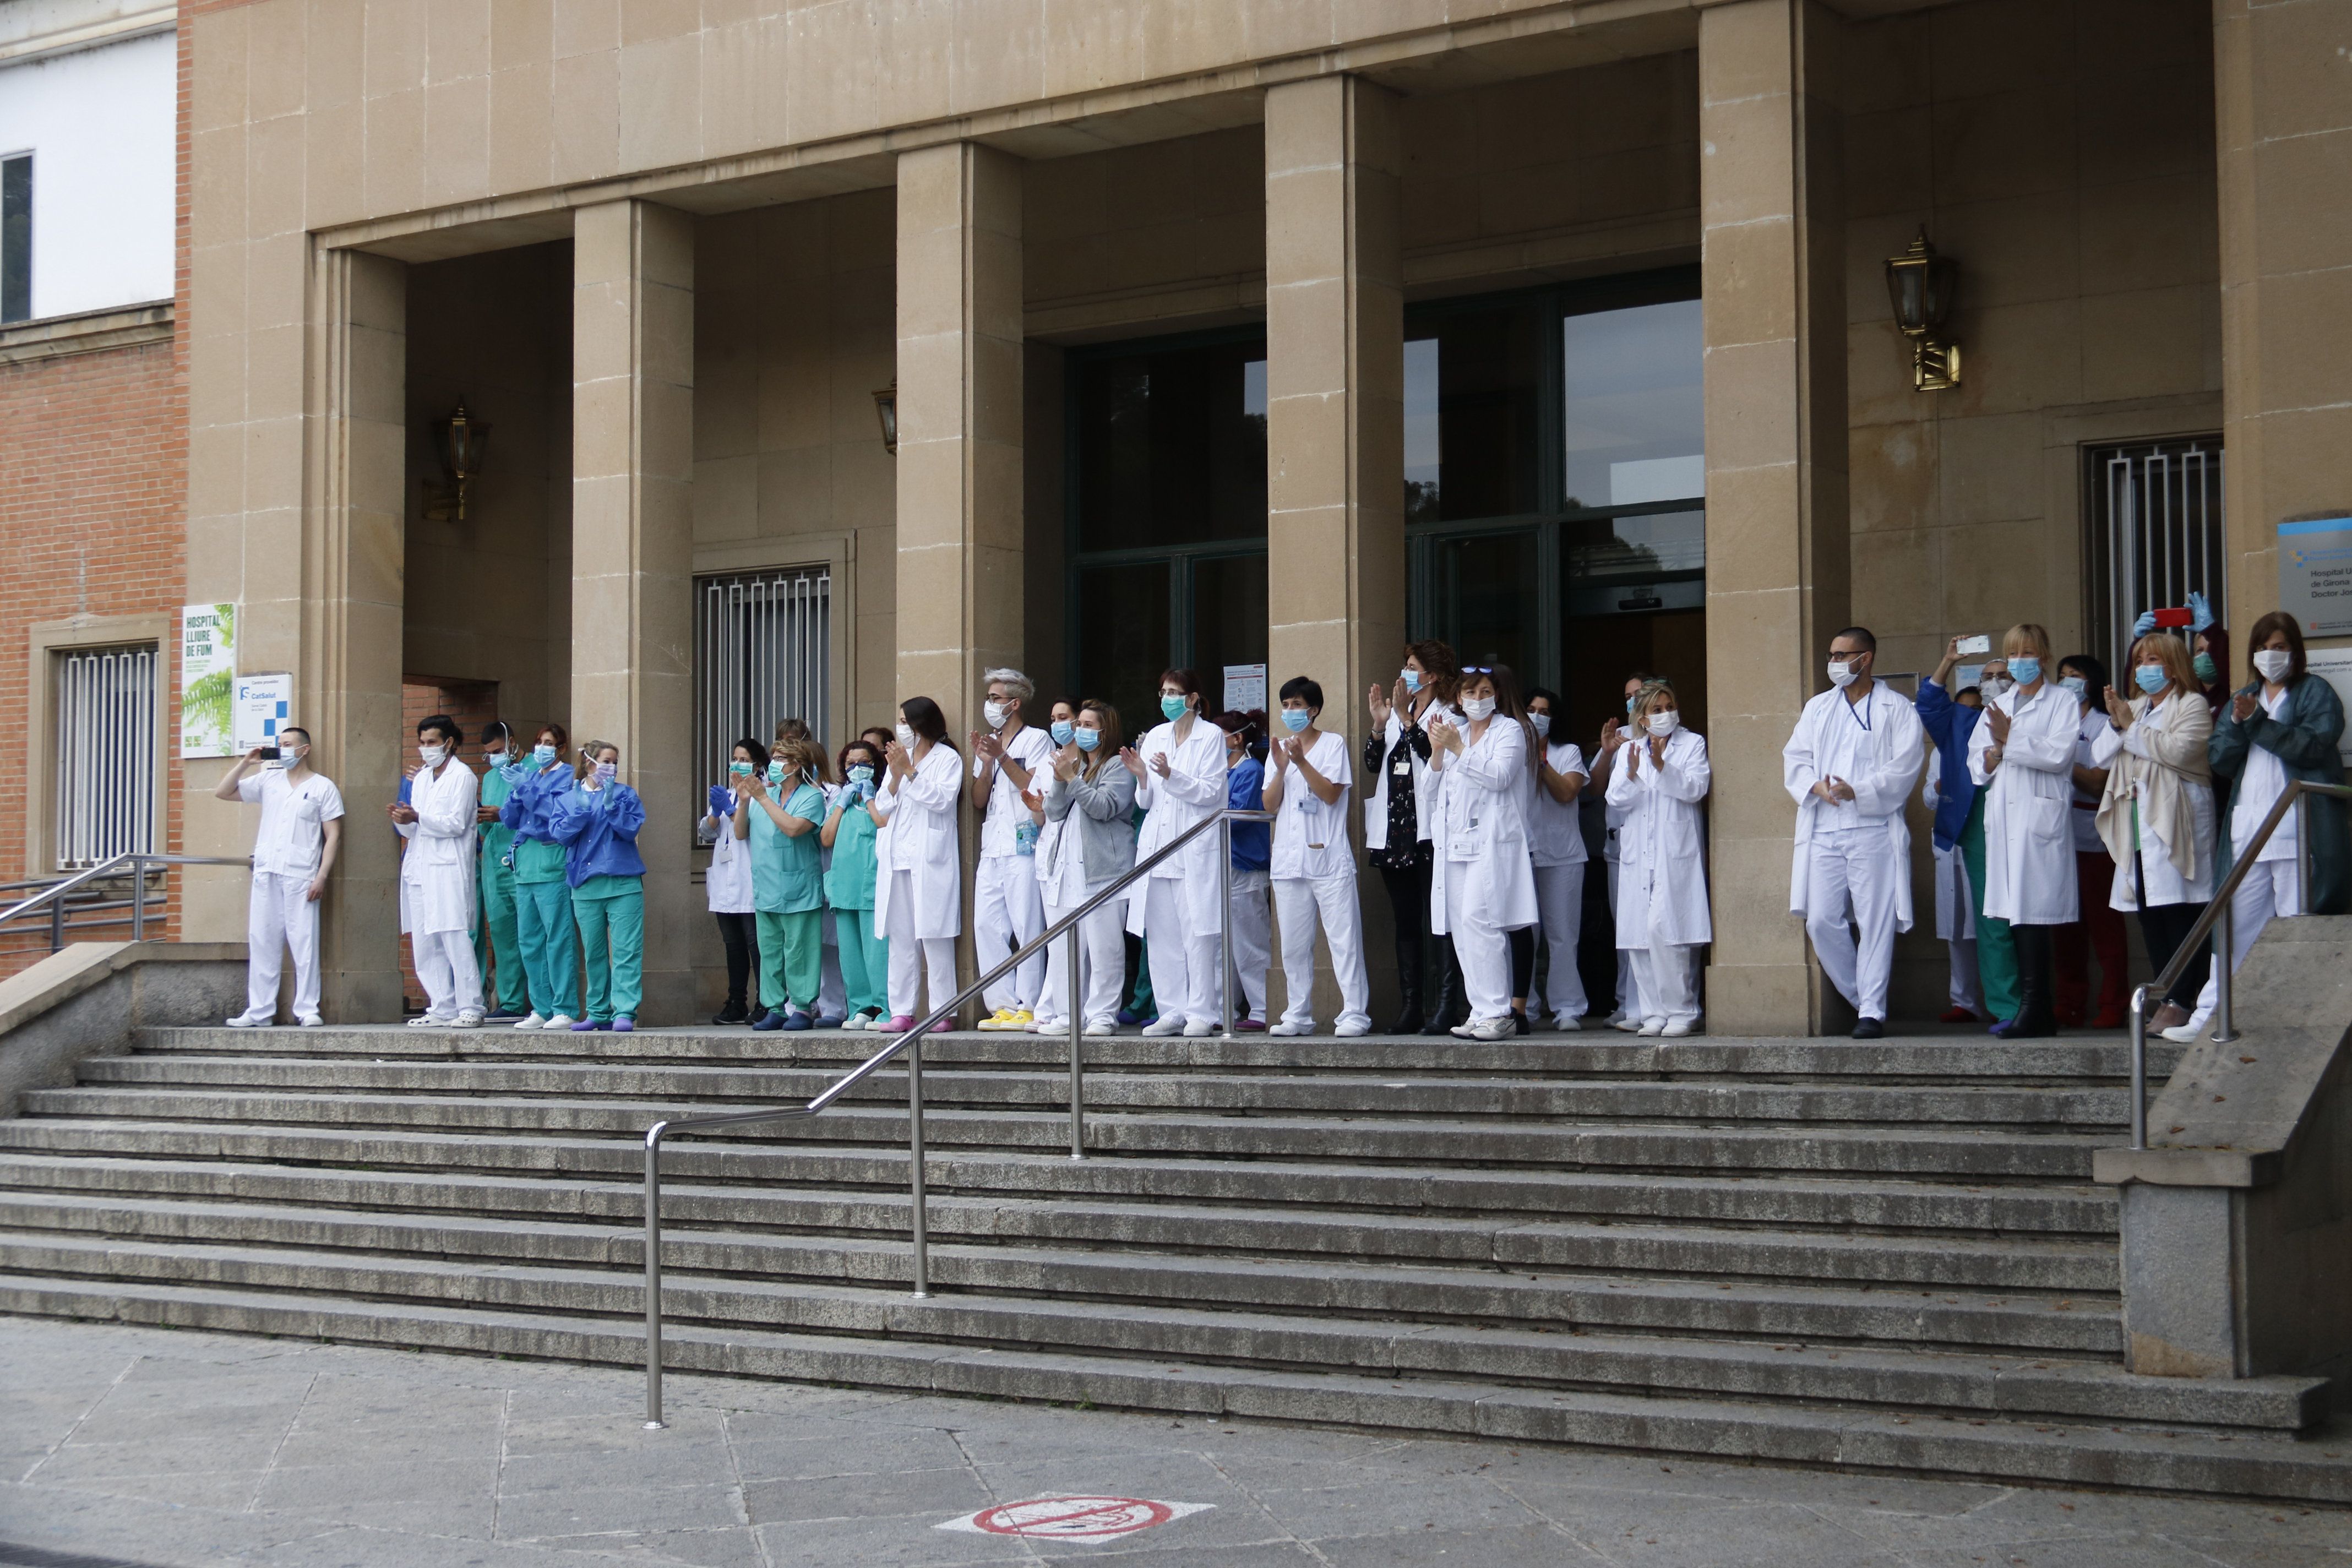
(550, 947)
(611, 911)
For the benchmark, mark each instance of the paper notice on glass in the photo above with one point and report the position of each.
(207, 665)
(1245, 687)
(2334, 666)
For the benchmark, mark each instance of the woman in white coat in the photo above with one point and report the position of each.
(1313, 865)
(919, 869)
(436, 877)
(2024, 751)
(1179, 779)
(1556, 842)
(2155, 815)
(1658, 780)
(1482, 886)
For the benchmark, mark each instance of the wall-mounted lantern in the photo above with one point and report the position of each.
(1920, 284)
(459, 441)
(886, 409)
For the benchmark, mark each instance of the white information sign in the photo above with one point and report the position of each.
(207, 665)
(2334, 665)
(258, 704)
(1245, 687)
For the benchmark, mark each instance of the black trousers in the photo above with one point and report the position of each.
(740, 933)
(2163, 927)
(1409, 910)
(1523, 962)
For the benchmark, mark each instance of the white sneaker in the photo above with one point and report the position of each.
(469, 1018)
(1199, 1028)
(1630, 1024)
(533, 1022)
(1568, 1025)
(1099, 1029)
(1462, 1031)
(253, 1020)
(1677, 1029)
(1502, 1028)
(1654, 1026)
(1348, 1028)
(312, 1021)
(562, 1021)
(429, 1021)
(1165, 1025)
(2180, 1034)
(1288, 1028)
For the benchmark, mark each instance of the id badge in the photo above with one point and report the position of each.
(1402, 768)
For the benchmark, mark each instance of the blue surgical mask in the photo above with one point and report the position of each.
(1090, 739)
(2025, 670)
(1060, 730)
(1173, 707)
(2151, 678)
(2075, 684)
(542, 755)
(1296, 719)
(739, 769)
(775, 773)
(1629, 708)
(1411, 678)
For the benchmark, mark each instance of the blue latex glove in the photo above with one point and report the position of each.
(2200, 613)
(2145, 625)
(722, 801)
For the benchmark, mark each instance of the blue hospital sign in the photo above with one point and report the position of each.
(2316, 574)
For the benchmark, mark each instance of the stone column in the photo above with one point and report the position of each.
(1772, 277)
(348, 673)
(1335, 410)
(633, 547)
(2284, 128)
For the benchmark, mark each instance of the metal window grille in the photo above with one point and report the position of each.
(764, 651)
(105, 755)
(2156, 533)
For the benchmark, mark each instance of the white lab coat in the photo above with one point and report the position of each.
(1662, 846)
(436, 868)
(1194, 789)
(1881, 759)
(727, 881)
(920, 810)
(2029, 834)
(1478, 827)
(1376, 790)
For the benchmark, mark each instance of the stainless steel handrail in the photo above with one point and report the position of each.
(911, 1042)
(113, 867)
(2215, 922)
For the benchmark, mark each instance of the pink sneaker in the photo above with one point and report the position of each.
(944, 1026)
(898, 1026)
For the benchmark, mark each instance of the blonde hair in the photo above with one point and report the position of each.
(590, 753)
(2173, 655)
(1647, 698)
(2026, 636)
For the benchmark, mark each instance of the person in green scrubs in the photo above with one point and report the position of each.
(849, 833)
(494, 923)
(544, 934)
(598, 823)
(780, 814)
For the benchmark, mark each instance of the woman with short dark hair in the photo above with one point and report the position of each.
(1313, 866)
(918, 865)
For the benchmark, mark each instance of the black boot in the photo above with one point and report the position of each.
(733, 1013)
(1449, 1008)
(2037, 1015)
(1408, 1018)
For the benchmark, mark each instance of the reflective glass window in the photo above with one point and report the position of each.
(1632, 414)
(1171, 446)
(1473, 412)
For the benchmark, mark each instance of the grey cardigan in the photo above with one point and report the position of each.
(1105, 810)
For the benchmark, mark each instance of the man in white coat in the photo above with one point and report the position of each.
(1851, 766)
(1007, 911)
(436, 877)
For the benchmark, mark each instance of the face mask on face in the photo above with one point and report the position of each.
(1171, 707)
(1664, 721)
(1542, 721)
(1088, 739)
(434, 755)
(497, 759)
(1629, 708)
(1841, 673)
(775, 773)
(994, 712)
(739, 768)
(906, 736)
(2274, 663)
(860, 774)
(1411, 678)
(2075, 684)
(1993, 686)
(1476, 709)
(2025, 670)
(291, 756)
(1061, 731)
(542, 755)
(2151, 678)
(2206, 669)
(1296, 719)
(605, 771)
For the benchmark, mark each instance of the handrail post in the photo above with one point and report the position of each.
(1077, 1096)
(1225, 924)
(2139, 1066)
(2225, 943)
(139, 898)
(2302, 848)
(915, 1136)
(57, 925)
(652, 1277)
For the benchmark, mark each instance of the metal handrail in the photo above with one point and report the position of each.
(2215, 923)
(55, 892)
(911, 1042)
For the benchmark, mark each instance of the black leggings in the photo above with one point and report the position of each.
(1523, 962)
(740, 933)
(1409, 906)
(2162, 926)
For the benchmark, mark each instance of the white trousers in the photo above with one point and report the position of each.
(1007, 914)
(1850, 877)
(1301, 902)
(1967, 990)
(1183, 966)
(280, 918)
(912, 958)
(1480, 946)
(1665, 989)
(1102, 965)
(2272, 887)
(451, 975)
(1624, 965)
(1560, 916)
(1253, 941)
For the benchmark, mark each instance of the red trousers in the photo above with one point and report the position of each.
(2100, 929)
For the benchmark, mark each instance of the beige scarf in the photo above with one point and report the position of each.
(2177, 736)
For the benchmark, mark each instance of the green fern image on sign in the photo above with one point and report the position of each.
(205, 710)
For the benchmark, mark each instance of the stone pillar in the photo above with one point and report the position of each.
(348, 672)
(1772, 277)
(633, 547)
(1335, 410)
(2285, 129)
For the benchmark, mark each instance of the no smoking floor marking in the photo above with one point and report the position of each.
(1074, 1518)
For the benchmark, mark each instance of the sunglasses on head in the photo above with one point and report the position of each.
(1477, 669)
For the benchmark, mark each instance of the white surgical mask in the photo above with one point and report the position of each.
(1664, 721)
(1477, 709)
(434, 755)
(1841, 673)
(995, 714)
(1542, 721)
(906, 736)
(1993, 686)
(2274, 662)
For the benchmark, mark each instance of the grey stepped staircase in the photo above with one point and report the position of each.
(1884, 1255)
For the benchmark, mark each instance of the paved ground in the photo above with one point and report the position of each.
(148, 1447)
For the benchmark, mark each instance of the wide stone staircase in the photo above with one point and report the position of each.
(1882, 1255)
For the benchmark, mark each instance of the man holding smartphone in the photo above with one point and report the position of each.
(301, 828)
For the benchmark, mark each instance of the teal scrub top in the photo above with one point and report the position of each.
(786, 879)
(849, 882)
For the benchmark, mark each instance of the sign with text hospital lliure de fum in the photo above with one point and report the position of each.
(2314, 559)
(207, 665)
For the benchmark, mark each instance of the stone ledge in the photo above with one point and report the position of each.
(89, 331)
(2187, 1167)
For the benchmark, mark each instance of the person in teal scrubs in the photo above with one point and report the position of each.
(545, 935)
(780, 814)
(597, 825)
(494, 923)
(849, 833)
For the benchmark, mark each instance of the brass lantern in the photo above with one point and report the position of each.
(1920, 284)
(459, 441)
(886, 409)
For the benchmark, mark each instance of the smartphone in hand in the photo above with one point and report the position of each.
(1980, 644)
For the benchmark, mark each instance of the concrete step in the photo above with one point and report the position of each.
(1968, 1153)
(1986, 1447)
(1020, 1185)
(1111, 1093)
